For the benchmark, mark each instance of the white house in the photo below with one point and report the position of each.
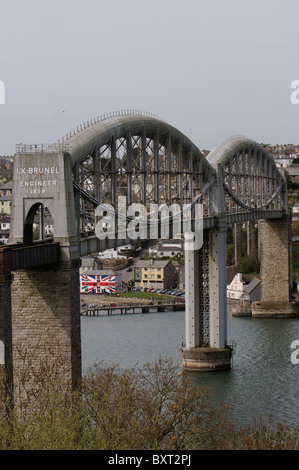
(295, 211)
(111, 253)
(4, 236)
(244, 287)
(5, 223)
(167, 248)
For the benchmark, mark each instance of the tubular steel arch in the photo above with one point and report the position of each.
(139, 157)
(251, 180)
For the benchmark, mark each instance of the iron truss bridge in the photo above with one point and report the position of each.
(140, 157)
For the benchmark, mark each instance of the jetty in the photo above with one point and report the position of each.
(132, 309)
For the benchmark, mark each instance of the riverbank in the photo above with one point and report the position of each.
(128, 299)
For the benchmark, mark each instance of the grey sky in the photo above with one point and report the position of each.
(213, 68)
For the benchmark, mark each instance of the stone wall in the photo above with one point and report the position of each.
(274, 240)
(46, 336)
(238, 238)
(5, 320)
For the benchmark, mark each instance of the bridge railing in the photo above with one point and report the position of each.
(42, 148)
(34, 256)
(61, 146)
(104, 117)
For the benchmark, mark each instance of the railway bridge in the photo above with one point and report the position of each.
(122, 176)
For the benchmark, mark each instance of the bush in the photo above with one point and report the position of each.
(248, 264)
(156, 407)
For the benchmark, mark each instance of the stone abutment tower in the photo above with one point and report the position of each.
(40, 304)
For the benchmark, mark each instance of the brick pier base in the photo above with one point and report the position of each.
(276, 274)
(46, 336)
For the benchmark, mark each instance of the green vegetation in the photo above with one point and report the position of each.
(295, 228)
(248, 264)
(295, 256)
(156, 407)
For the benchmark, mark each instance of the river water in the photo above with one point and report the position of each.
(263, 380)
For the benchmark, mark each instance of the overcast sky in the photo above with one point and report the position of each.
(211, 68)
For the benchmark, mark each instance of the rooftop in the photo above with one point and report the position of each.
(151, 263)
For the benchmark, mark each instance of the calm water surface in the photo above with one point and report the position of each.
(262, 380)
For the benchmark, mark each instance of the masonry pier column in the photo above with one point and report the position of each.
(238, 239)
(276, 273)
(46, 328)
(5, 322)
(45, 300)
(251, 239)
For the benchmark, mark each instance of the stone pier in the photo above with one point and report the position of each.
(46, 327)
(238, 240)
(6, 383)
(251, 239)
(276, 274)
(40, 304)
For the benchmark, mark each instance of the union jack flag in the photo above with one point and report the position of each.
(106, 284)
(97, 284)
(88, 284)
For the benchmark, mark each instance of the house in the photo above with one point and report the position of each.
(5, 205)
(4, 229)
(244, 287)
(5, 197)
(295, 212)
(169, 251)
(48, 223)
(5, 223)
(156, 274)
(111, 253)
(167, 248)
(90, 263)
(6, 189)
(118, 253)
(4, 236)
(293, 171)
